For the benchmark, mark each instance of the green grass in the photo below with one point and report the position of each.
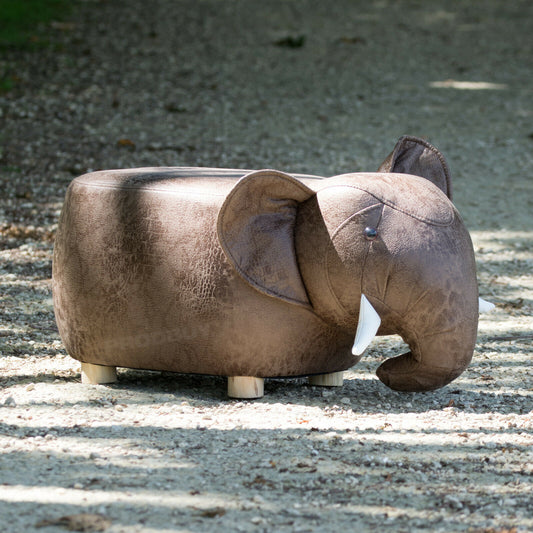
(23, 22)
(6, 83)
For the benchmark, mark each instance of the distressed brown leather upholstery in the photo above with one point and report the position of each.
(240, 273)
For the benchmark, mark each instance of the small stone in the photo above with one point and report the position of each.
(453, 502)
(10, 402)
(247, 505)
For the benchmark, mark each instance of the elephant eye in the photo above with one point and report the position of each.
(370, 233)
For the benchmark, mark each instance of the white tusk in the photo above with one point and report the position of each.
(484, 306)
(367, 327)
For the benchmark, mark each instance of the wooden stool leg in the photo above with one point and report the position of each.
(335, 379)
(95, 374)
(245, 387)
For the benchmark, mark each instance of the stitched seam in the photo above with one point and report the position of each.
(369, 248)
(335, 233)
(141, 189)
(395, 207)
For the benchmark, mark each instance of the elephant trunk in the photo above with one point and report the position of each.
(434, 360)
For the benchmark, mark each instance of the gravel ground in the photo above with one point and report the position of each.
(303, 86)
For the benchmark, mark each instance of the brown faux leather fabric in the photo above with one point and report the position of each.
(240, 273)
(141, 281)
(416, 156)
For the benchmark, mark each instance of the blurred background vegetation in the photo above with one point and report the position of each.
(23, 22)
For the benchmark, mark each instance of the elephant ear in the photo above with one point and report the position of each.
(415, 156)
(256, 231)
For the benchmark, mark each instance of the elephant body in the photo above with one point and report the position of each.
(141, 281)
(260, 273)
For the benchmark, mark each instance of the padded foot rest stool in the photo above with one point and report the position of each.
(165, 269)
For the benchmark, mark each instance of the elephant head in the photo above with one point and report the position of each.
(386, 247)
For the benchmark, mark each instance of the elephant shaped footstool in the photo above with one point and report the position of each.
(257, 274)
